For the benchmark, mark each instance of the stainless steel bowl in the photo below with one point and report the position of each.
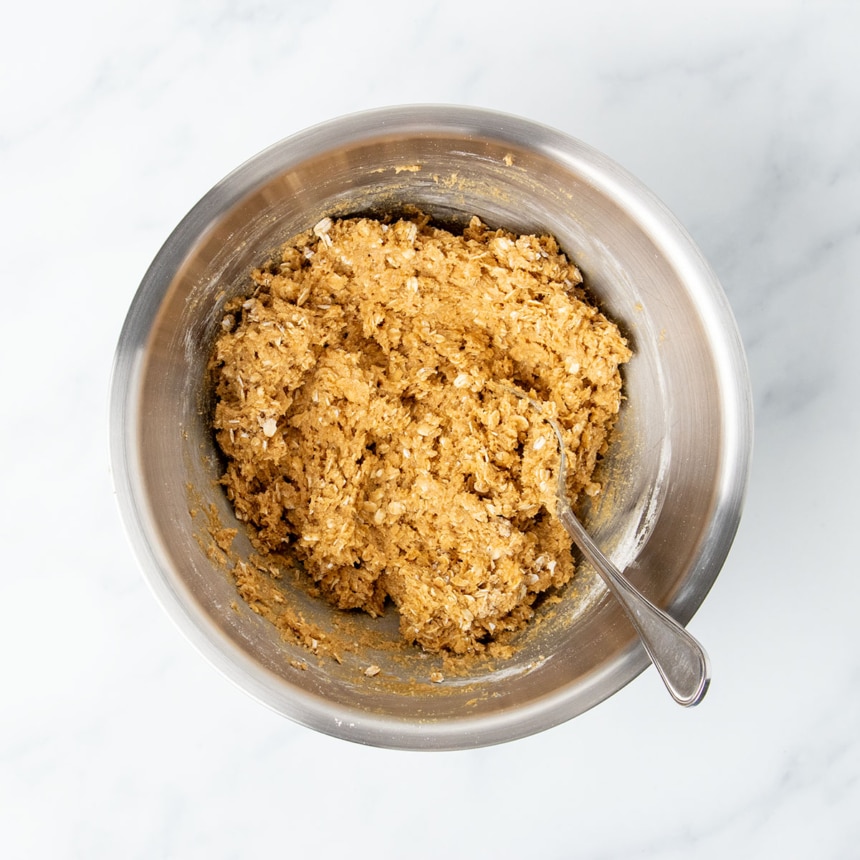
(675, 480)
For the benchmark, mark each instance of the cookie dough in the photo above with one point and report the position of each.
(361, 410)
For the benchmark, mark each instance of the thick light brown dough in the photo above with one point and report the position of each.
(360, 412)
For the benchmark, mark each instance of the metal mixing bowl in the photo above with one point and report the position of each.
(675, 478)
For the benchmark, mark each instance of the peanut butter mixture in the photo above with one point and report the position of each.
(362, 410)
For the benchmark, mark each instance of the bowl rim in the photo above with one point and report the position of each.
(424, 119)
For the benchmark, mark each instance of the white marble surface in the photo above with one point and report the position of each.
(117, 739)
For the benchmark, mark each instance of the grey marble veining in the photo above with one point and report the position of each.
(116, 739)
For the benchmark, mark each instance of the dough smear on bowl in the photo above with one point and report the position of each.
(361, 409)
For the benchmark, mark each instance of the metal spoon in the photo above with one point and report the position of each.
(679, 658)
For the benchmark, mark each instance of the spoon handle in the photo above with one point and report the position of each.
(679, 658)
